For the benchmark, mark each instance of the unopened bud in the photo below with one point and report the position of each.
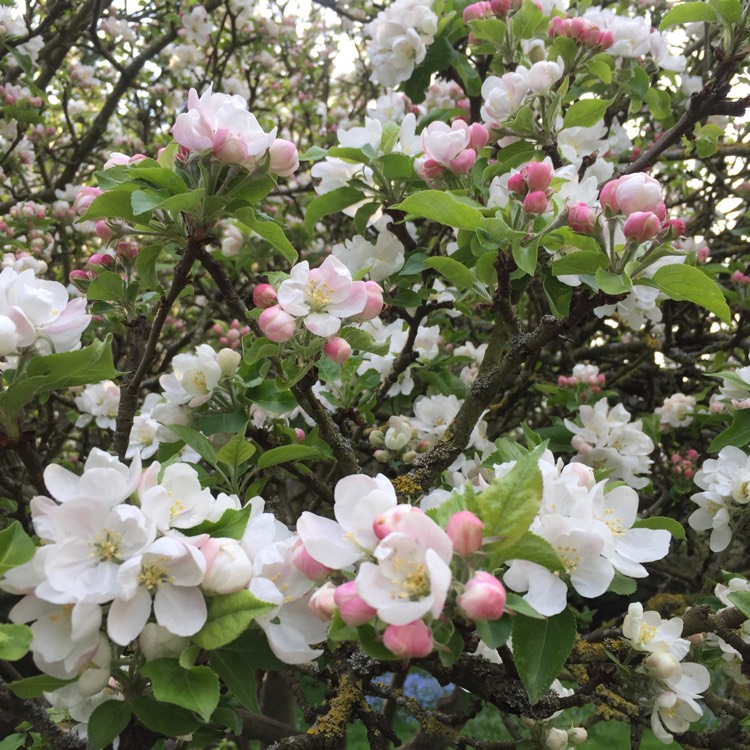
(413, 640)
(465, 531)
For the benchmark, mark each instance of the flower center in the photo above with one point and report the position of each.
(569, 556)
(646, 633)
(318, 295)
(153, 575)
(106, 545)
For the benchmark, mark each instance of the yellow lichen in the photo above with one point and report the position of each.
(333, 722)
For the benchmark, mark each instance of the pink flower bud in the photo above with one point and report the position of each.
(228, 568)
(353, 609)
(500, 7)
(126, 250)
(464, 161)
(606, 39)
(264, 295)
(675, 228)
(608, 197)
(337, 349)
(322, 603)
(479, 136)
(538, 175)
(517, 183)
(691, 454)
(582, 218)
(535, 203)
(702, 254)
(284, 158)
(465, 531)
(308, 565)
(413, 640)
(104, 231)
(390, 521)
(374, 304)
(641, 226)
(100, 261)
(276, 324)
(476, 11)
(84, 198)
(483, 597)
(299, 434)
(428, 169)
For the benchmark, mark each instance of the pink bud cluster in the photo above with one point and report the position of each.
(484, 9)
(686, 464)
(740, 279)
(638, 196)
(230, 335)
(582, 31)
(532, 183)
(450, 147)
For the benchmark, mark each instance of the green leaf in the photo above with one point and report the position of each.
(526, 256)
(688, 13)
(397, 167)
(13, 741)
(675, 528)
(114, 204)
(35, 687)
(260, 349)
(489, 30)
(238, 675)
(16, 547)
(236, 451)
(471, 79)
(183, 202)
(362, 341)
(339, 631)
(271, 398)
(172, 721)
(441, 207)
(314, 153)
(14, 641)
(737, 434)
(268, 230)
(495, 232)
(286, 453)
(516, 603)
(107, 721)
(494, 633)
(525, 21)
(89, 365)
(580, 262)
(196, 689)
(659, 103)
(540, 648)
(600, 69)
(251, 650)
(145, 266)
(451, 505)
(143, 201)
(159, 176)
(197, 441)
(622, 585)
(330, 203)
(229, 616)
(107, 286)
(558, 294)
(612, 283)
(440, 55)
(457, 273)
(232, 524)
(528, 547)
(509, 505)
(729, 10)
(681, 282)
(585, 113)
(372, 644)
(741, 600)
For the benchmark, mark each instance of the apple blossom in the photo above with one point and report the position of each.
(412, 640)
(353, 609)
(264, 295)
(483, 597)
(276, 324)
(322, 296)
(465, 531)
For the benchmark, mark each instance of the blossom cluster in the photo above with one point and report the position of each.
(36, 312)
(675, 685)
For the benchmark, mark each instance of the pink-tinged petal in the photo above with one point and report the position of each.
(127, 617)
(322, 324)
(325, 541)
(180, 609)
(359, 500)
(353, 304)
(440, 580)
